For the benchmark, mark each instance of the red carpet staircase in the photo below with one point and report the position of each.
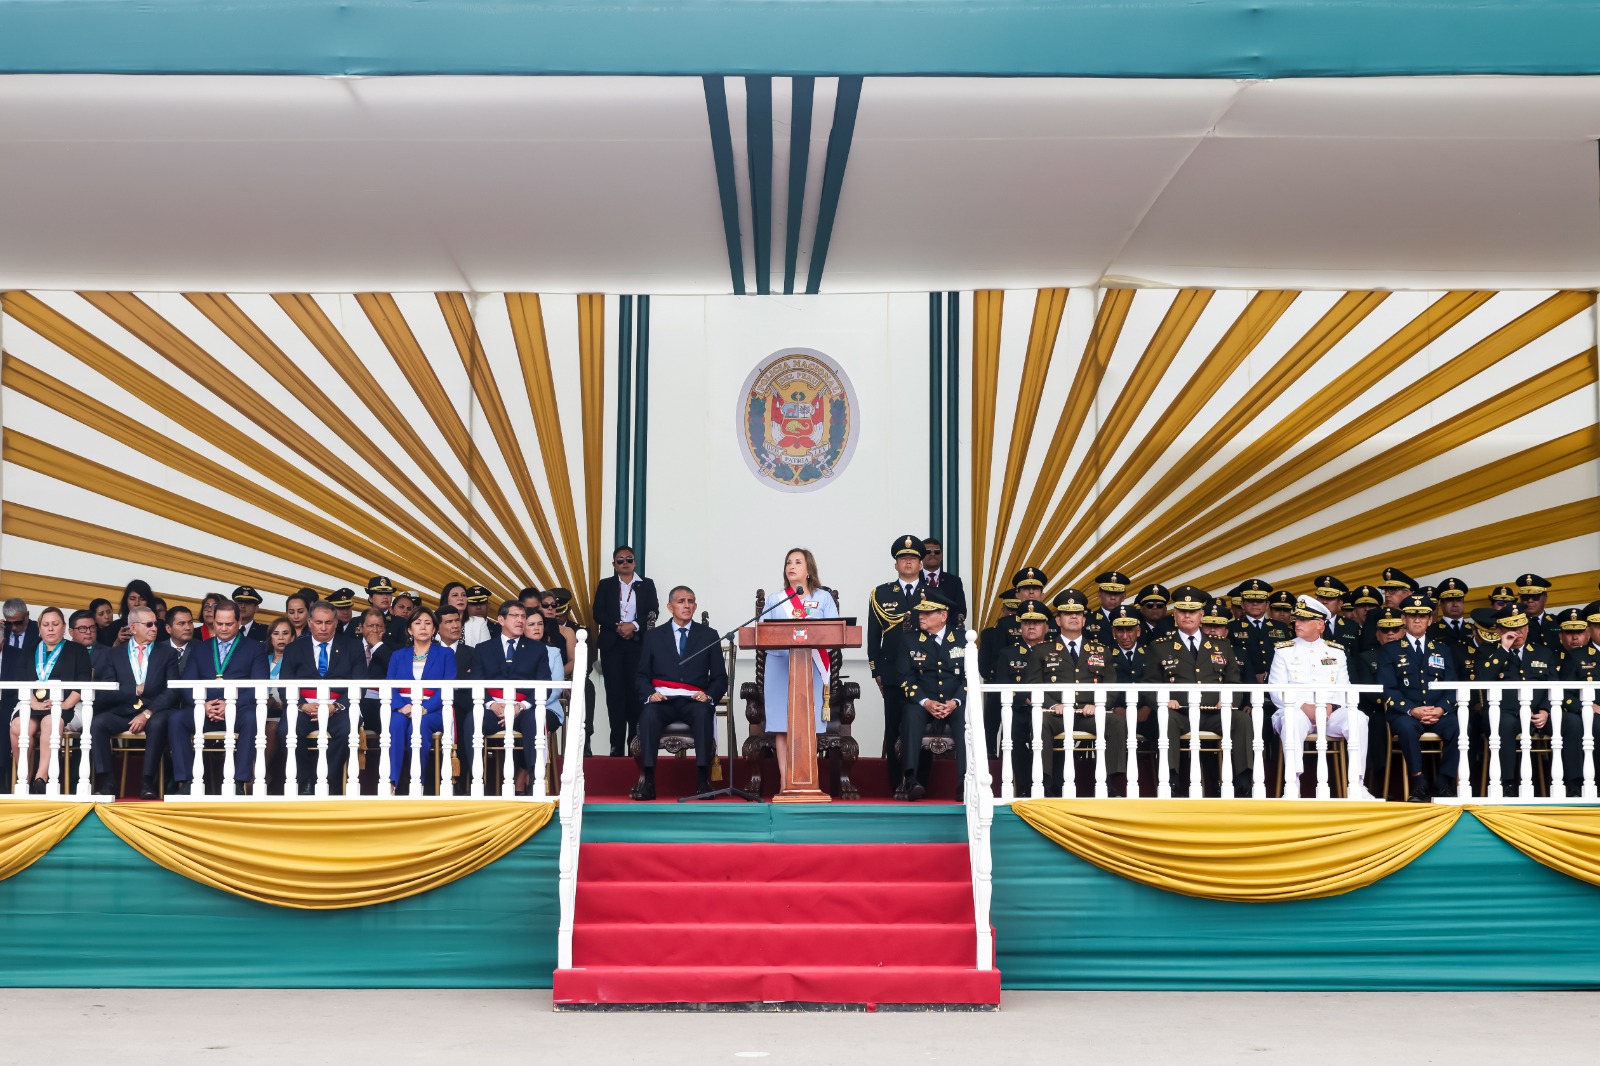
(774, 925)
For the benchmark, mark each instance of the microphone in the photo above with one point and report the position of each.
(777, 601)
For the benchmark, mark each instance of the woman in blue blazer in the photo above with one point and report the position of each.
(422, 661)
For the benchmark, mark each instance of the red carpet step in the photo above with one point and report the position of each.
(769, 926)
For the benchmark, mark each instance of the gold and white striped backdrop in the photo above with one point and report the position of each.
(200, 440)
(1210, 436)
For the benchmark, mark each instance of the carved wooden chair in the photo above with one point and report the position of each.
(676, 738)
(834, 743)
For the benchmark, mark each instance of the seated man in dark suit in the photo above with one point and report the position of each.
(513, 657)
(227, 656)
(680, 678)
(142, 703)
(372, 641)
(321, 653)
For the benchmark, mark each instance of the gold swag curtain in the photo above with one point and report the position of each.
(325, 856)
(1247, 851)
(29, 828)
(1566, 839)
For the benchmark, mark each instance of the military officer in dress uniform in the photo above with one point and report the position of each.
(889, 622)
(931, 668)
(993, 645)
(1453, 627)
(1517, 658)
(1580, 664)
(1363, 600)
(1364, 671)
(1406, 667)
(1033, 628)
(1330, 592)
(1280, 607)
(1310, 659)
(1029, 583)
(343, 601)
(1534, 592)
(1503, 596)
(1254, 636)
(1186, 656)
(1152, 601)
(1075, 656)
(1129, 659)
(1113, 588)
(1574, 634)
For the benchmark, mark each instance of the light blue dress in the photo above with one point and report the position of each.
(818, 604)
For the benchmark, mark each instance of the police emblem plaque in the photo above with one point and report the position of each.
(797, 420)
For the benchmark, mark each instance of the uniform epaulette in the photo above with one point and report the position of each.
(1284, 644)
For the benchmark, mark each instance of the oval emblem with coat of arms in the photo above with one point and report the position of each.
(797, 420)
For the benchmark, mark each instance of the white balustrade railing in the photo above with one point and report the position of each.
(53, 732)
(1493, 696)
(1104, 700)
(328, 694)
(977, 792)
(570, 809)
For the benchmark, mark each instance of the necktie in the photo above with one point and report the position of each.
(1416, 645)
(1072, 650)
(322, 660)
(683, 638)
(510, 650)
(933, 579)
(1194, 647)
(140, 649)
(369, 655)
(907, 590)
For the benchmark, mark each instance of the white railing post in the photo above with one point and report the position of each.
(197, 774)
(572, 794)
(1225, 745)
(415, 787)
(1130, 701)
(1036, 776)
(1323, 791)
(258, 767)
(541, 758)
(1196, 777)
(319, 787)
(447, 740)
(291, 739)
(480, 712)
(508, 739)
(980, 813)
(52, 785)
(1463, 712)
(1590, 771)
(1558, 779)
(1493, 783)
(352, 761)
(230, 710)
(1258, 769)
(1008, 784)
(1353, 774)
(385, 777)
(85, 769)
(1101, 748)
(1525, 789)
(1164, 772)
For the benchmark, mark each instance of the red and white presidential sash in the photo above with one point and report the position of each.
(668, 689)
(819, 656)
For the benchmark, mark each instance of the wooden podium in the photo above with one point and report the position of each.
(800, 637)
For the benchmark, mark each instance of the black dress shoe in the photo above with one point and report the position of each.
(105, 787)
(1418, 791)
(644, 790)
(37, 786)
(702, 784)
(913, 788)
(308, 790)
(616, 753)
(148, 793)
(179, 788)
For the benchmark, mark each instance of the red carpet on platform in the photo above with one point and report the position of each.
(609, 780)
(775, 925)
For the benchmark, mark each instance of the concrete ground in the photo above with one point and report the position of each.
(129, 1027)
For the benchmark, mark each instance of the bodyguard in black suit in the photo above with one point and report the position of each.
(513, 657)
(680, 678)
(227, 656)
(934, 576)
(138, 704)
(622, 604)
(321, 653)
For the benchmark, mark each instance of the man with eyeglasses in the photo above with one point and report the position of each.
(20, 629)
(20, 633)
(141, 703)
(624, 606)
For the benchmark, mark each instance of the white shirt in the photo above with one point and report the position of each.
(1310, 662)
(475, 631)
(628, 599)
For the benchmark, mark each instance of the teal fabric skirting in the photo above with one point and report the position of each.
(1472, 914)
(94, 912)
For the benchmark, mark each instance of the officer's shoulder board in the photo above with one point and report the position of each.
(1284, 644)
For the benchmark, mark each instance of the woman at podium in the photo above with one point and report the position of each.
(801, 597)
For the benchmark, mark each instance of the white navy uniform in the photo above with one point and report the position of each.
(1314, 662)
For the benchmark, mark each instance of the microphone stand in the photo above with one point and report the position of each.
(733, 751)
